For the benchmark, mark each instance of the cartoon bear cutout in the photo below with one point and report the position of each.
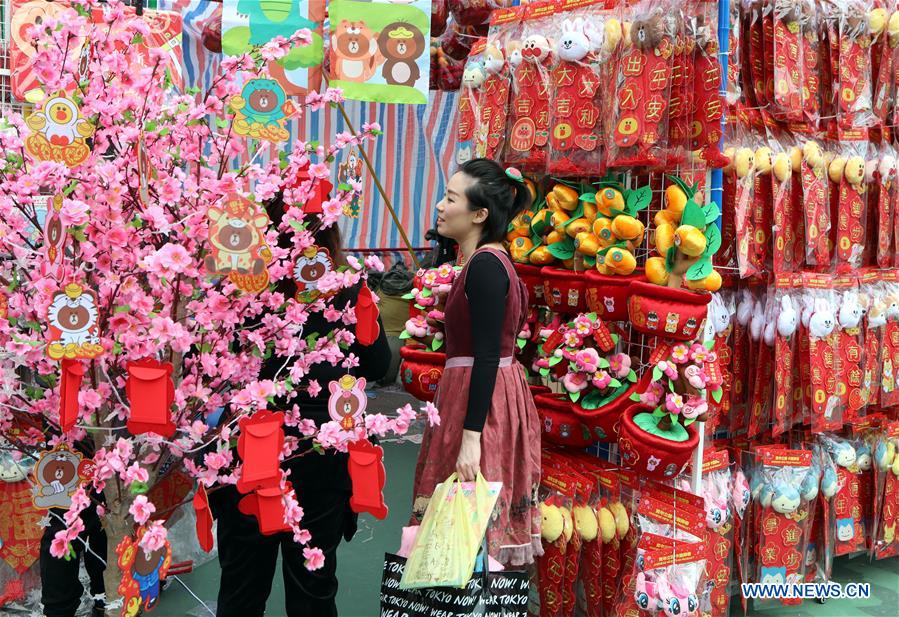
(355, 55)
(73, 320)
(237, 243)
(401, 44)
(56, 476)
(310, 267)
(347, 402)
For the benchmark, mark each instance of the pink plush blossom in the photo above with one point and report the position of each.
(620, 365)
(571, 339)
(433, 414)
(674, 402)
(587, 360)
(680, 354)
(574, 382)
(699, 353)
(141, 509)
(668, 368)
(601, 380)
(695, 407)
(315, 558)
(653, 395)
(583, 326)
(696, 377)
(155, 537)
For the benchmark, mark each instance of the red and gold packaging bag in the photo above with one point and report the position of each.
(848, 177)
(886, 543)
(470, 131)
(854, 82)
(787, 60)
(502, 41)
(845, 525)
(706, 99)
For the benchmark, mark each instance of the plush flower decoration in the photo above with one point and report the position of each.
(694, 407)
(620, 365)
(653, 395)
(680, 354)
(669, 369)
(602, 380)
(674, 403)
(574, 382)
(587, 360)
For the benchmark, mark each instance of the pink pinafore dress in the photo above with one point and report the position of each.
(510, 441)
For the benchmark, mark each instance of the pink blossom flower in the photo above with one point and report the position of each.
(135, 473)
(582, 325)
(313, 388)
(680, 354)
(571, 339)
(315, 558)
(696, 377)
(587, 360)
(433, 414)
(155, 537)
(302, 536)
(141, 509)
(674, 402)
(59, 546)
(695, 407)
(620, 364)
(377, 424)
(698, 353)
(669, 369)
(170, 259)
(601, 379)
(372, 262)
(574, 382)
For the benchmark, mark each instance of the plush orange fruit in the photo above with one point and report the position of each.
(519, 247)
(710, 283)
(590, 210)
(675, 198)
(532, 189)
(627, 227)
(655, 271)
(689, 240)
(607, 199)
(541, 256)
(664, 238)
(558, 220)
(538, 224)
(566, 196)
(552, 202)
(577, 226)
(619, 261)
(666, 216)
(586, 243)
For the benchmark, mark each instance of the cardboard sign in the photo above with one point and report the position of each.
(59, 132)
(261, 110)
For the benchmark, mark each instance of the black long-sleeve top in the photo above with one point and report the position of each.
(486, 287)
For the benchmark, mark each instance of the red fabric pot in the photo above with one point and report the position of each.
(604, 421)
(532, 277)
(677, 314)
(565, 290)
(607, 295)
(651, 455)
(421, 371)
(535, 390)
(560, 426)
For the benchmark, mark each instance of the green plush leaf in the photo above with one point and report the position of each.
(578, 213)
(436, 344)
(710, 345)
(592, 317)
(717, 394)
(688, 190)
(590, 260)
(520, 343)
(635, 397)
(343, 186)
(647, 421)
(638, 199)
(554, 360)
(689, 421)
(588, 197)
(426, 293)
(408, 296)
(562, 250)
(544, 372)
(700, 269)
(615, 383)
(603, 363)
(632, 376)
(404, 335)
(656, 373)
(670, 258)
(591, 401)
(693, 215)
(712, 240)
(575, 397)
(712, 212)
(615, 338)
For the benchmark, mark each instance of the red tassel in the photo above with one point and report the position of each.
(151, 393)
(204, 518)
(259, 446)
(69, 385)
(366, 467)
(367, 328)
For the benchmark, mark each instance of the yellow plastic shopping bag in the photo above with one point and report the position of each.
(451, 532)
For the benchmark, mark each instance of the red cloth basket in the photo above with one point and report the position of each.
(560, 426)
(532, 277)
(651, 455)
(421, 371)
(607, 295)
(565, 291)
(677, 314)
(604, 422)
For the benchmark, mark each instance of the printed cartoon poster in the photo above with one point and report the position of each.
(164, 33)
(350, 171)
(380, 50)
(249, 23)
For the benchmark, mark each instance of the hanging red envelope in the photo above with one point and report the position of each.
(367, 327)
(69, 385)
(366, 467)
(73, 324)
(151, 392)
(204, 518)
(707, 103)
(267, 505)
(321, 191)
(259, 446)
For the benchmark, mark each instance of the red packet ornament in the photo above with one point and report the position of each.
(529, 135)
(551, 565)
(494, 101)
(471, 133)
(847, 524)
(261, 110)
(817, 211)
(889, 349)
(259, 446)
(237, 244)
(575, 110)
(785, 354)
(640, 128)
(886, 202)
(347, 402)
(309, 268)
(267, 505)
(73, 320)
(321, 189)
(69, 385)
(59, 132)
(851, 346)
(142, 573)
(57, 475)
(706, 96)
(826, 414)
(151, 392)
(848, 176)
(54, 235)
(887, 469)
(854, 81)
(367, 327)
(788, 68)
(204, 518)
(366, 467)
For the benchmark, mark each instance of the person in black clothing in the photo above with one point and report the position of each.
(322, 483)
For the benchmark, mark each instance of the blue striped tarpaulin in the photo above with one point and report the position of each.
(411, 158)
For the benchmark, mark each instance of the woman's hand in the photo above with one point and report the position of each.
(469, 462)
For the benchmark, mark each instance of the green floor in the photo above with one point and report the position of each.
(360, 565)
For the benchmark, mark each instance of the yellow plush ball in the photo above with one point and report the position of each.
(877, 21)
(764, 159)
(553, 524)
(729, 153)
(664, 238)
(813, 155)
(613, 34)
(836, 168)
(744, 161)
(782, 167)
(855, 170)
(586, 523)
(622, 520)
(893, 28)
(796, 159)
(619, 261)
(895, 468)
(627, 227)
(606, 525)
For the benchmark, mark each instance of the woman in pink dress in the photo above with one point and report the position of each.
(488, 421)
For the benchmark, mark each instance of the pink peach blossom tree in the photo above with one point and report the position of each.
(134, 216)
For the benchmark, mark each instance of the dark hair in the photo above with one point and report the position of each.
(502, 196)
(328, 238)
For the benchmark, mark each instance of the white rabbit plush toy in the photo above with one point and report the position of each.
(851, 311)
(744, 307)
(768, 334)
(787, 318)
(757, 323)
(573, 45)
(822, 321)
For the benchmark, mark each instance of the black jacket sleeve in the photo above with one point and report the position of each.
(486, 286)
